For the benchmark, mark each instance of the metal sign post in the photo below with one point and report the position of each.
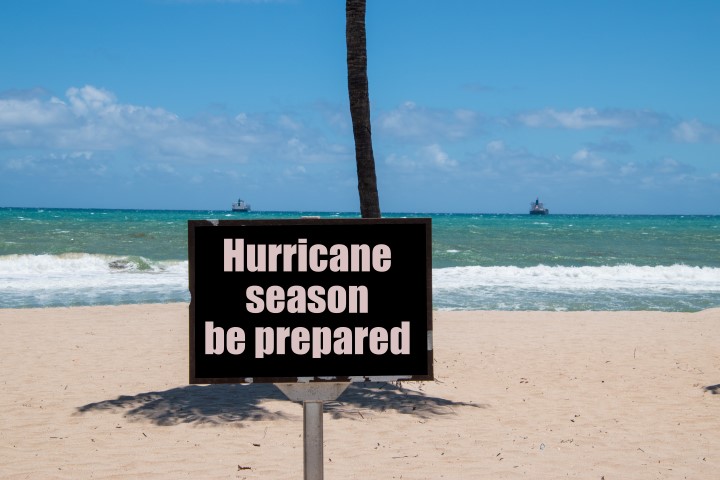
(313, 396)
(310, 305)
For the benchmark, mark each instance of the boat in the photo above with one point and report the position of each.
(537, 208)
(240, 206)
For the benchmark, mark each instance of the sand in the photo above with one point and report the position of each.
(101, 392)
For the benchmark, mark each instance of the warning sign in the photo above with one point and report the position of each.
(310, 300)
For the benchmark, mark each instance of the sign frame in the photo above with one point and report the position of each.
(200, 230)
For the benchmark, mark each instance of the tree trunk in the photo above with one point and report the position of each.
(360, 107)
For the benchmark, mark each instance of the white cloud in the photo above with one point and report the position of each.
(429, 156)
(20, 164)
(628, 169)
(295, 171)
(23, 113)
(588, 159)
(501, 162)
(582, 118)
(92, 119)
(668, 165)
(154, 168)
(495, 146)
(435, 156)
(89, 99)
(286, 122)
(694, 131)
(580, 154)
(59, 165)
(400, 162)
(410, 122)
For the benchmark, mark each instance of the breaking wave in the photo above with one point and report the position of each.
(84, 279)
(621, 287)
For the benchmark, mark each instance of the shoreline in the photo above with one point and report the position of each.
(435, 311)
(102, 392)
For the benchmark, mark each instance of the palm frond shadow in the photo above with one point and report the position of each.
(384, 396)
(714, 389)
(212, 404)
(225, 404)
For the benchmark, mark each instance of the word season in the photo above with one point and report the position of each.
(242, 257)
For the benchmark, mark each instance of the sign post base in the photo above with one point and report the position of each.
(313, 396)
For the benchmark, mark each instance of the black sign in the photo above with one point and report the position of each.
(310, 300)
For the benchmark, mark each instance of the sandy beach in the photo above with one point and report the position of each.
(101, 392)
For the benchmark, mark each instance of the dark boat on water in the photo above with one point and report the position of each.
(240, 206)
(537, 208)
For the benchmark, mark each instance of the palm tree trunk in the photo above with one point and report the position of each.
(360, 107)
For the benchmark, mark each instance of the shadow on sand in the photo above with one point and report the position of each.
(221, 404)
(714, 389)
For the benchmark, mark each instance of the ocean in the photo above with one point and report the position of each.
(72, 257)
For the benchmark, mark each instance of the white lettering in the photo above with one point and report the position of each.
(321, 341)
(378, 342)
(400, 339)
(316, 263)
(296, 299)
(336, 299)
(264, 341)
(234, 254)
(340, 262)
(215, 341)
(275, 299)
(241, 257)
(343, 342)
(381, 258)
(236, 340)
(300, 341)
(254, 295)
(322, 344)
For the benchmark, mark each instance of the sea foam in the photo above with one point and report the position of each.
(85, 279)
(678, 278)
(89, 279)
(621, 287)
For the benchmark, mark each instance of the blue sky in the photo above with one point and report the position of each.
(595, 106)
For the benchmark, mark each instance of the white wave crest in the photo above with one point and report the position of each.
(85, 279)
(678, 278)
(77, 279)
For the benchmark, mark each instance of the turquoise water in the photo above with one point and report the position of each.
(52, 257)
